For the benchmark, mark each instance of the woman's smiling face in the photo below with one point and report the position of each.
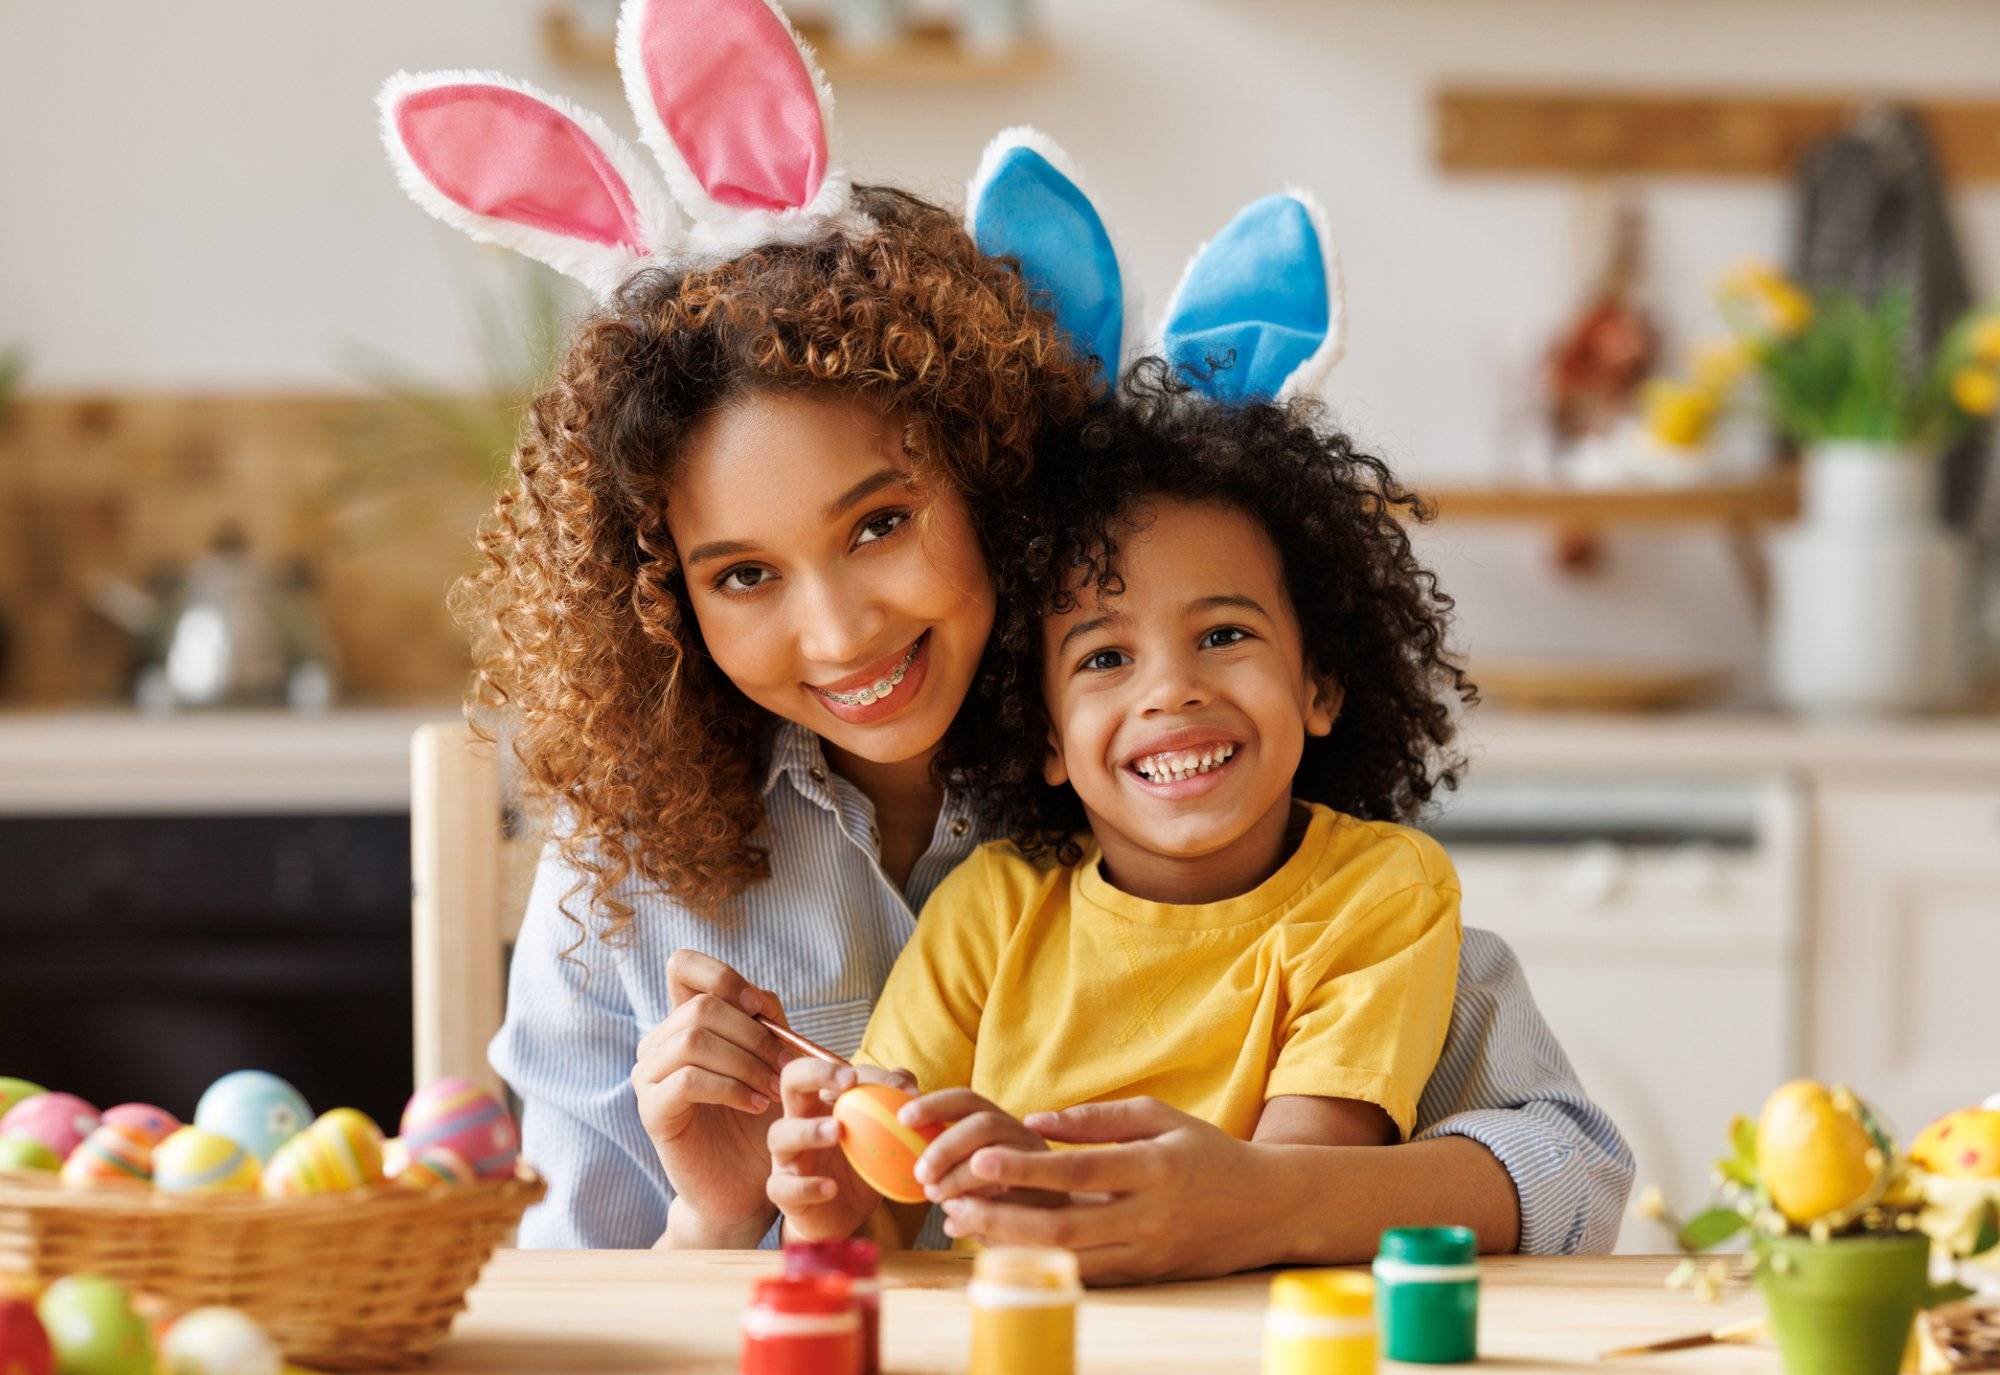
(830, 587)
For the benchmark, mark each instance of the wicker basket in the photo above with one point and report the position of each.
(340, 1281)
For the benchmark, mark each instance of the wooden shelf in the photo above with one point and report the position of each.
(1743, 134)
(1764, 501)
(929, 51)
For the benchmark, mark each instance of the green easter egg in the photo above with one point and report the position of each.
(93, 1329)
(13, 1091)
(19, 1153)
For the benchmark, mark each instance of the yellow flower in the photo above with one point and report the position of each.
(1777, 306)
(1678, 415)
(1976, 390)
(1721, 363)
(1651, 1204)
(1986, 339)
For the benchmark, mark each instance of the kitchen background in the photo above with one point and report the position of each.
(251, 373)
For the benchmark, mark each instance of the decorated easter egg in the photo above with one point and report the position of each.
(24, 1346)
(880, 1148)
(342, 1150)
(154, 1124)
(59, 1121)
(13, 1091)
(1819, 1153)
(435, 1167)
(1961, 1145)
(465, 1119)
(197, 1161)
(93, 1329)
(258, 1111)
(111, 1155)
(21, 1153)
(219, 1341)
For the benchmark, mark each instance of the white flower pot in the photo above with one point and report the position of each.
(1871, 596)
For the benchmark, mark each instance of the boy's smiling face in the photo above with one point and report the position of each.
(1179, 706)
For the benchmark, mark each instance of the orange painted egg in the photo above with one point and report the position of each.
(435, 1167)
(112, 1155)
(880, 1148)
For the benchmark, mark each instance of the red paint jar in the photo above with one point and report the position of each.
(857, 1258)
(802, 1326)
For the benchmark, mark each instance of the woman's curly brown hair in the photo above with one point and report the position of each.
(584, 634)
(1373, 618)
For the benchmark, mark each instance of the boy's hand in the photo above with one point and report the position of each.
(819, 1193)
(945, 1169)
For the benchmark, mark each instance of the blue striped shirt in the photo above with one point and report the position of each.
(822, 931)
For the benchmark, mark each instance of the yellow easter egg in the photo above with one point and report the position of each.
(1815, 1154)
(195, 1161)
(342, 1149)
(1961, 1145)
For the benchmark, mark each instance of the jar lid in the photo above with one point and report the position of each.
(802, 1294)
(1430, 1245)
(1026, 1267)
(856, 1257)
(1323, 1294)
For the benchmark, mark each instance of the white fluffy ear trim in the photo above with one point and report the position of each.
(729, 99)
(510, 164)
(1033, 139)
(1309, 375)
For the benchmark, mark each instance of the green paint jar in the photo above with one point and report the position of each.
(1427, 1295)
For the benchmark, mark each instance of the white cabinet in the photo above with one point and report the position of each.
(1905, 932)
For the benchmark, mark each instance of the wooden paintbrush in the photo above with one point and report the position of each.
(800, 1043)
(1749, 1330)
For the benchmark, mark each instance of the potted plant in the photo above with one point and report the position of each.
(1840, 1236)
(1872, 595)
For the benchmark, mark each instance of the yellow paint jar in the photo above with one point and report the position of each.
(1024, 1311)
(1320, 1322)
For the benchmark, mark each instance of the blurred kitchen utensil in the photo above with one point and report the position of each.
(1559, 684)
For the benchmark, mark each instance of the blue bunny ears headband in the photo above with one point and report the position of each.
(1263, 296)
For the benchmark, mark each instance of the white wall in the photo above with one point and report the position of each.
(194, 196)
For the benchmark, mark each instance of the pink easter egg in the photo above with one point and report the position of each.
(154, 1124)
(59, 1121)
(465, 1119)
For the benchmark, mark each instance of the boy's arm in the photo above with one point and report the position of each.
(1297, 1120)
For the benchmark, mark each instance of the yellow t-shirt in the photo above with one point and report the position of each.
(1045, 988)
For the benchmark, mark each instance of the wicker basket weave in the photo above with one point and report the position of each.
(340, 1281)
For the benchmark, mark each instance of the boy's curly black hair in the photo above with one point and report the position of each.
(1373, 618)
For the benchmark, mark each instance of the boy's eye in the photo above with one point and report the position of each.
(1223, 636)
(744, 577)
(881, 525)
(1103, 660)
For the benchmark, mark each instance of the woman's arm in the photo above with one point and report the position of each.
(566, 1049)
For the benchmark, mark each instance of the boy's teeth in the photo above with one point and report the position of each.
(1174, 766)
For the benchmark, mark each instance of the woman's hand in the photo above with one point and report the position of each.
(707, 1084)
(1179, 1199)
(812, 1184)
(945, 1170)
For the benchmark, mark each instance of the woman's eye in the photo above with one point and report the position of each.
(881, 526)
(746, 577)
(1103, 660)
(1223, 636)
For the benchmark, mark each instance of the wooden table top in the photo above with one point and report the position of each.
(633, 1311)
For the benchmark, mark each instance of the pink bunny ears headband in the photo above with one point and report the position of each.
(728, 100)
(1264, 295)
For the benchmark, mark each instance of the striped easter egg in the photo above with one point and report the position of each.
(155, 1124)
(435, 1167)
(112, 1155)
(195, 1161)
(340, 1150)
(59, 1121)
(465, 1119)
(880, 1148)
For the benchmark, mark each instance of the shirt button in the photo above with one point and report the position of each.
(960, 826)
(817, 775)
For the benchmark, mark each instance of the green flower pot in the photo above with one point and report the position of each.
(1843, 1306)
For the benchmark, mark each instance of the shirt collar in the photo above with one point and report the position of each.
(796, 751)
